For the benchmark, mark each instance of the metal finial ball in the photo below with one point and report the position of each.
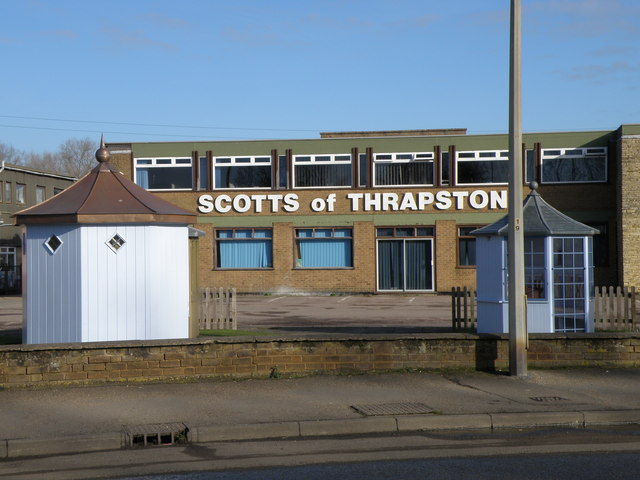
(102, 154)
(533, 185)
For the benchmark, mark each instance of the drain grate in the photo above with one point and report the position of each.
(402, 408)
(155, 434)
(548, 399)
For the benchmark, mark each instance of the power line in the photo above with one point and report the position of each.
(123, 133)
(157, 125)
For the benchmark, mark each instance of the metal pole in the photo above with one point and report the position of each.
(515, 242)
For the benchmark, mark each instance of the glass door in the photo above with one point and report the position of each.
(405, 264)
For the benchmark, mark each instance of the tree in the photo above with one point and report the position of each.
(75, 157)
(10, 155)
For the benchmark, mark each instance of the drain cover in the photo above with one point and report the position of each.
(392, 409)
(548, 399)
(155, 434)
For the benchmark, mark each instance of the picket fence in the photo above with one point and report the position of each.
(218, 309)
(614, 309)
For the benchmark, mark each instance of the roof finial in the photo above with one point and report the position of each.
(102, 154)
(533, 185)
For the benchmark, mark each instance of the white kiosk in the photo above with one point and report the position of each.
(558, 254)
(105, 260)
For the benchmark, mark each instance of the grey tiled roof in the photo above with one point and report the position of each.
(540, 219)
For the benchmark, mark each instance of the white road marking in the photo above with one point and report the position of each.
(274, 299)
(343, 299)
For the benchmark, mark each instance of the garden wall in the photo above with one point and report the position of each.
(242, 357)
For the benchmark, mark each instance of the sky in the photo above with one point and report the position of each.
(195, 70)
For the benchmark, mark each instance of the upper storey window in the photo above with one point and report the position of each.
(574, 165)
(322, 171)
(484, 166)
(406, 169)
(164, 173)
(242, 172)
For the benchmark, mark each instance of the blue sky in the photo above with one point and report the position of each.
(245, 69)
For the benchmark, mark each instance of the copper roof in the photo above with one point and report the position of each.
(104, 196)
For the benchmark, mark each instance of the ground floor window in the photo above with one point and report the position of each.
(569, 269)
(324, 247)
(244, 248)
(535, 273)
(7, 256)
(405, 258)
(466, 247)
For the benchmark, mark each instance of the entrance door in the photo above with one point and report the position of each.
(405, 265)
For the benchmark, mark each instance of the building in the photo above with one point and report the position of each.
(384, 211)
(99, 260)
(20, 187)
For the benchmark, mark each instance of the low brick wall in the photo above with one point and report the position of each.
(34, 365)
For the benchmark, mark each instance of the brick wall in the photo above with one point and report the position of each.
(61, 364)
(629, 211)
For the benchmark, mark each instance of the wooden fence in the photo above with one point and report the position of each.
(615, 308)
(218, 310)
(463, 308)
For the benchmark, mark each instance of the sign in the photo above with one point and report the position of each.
(356, 202)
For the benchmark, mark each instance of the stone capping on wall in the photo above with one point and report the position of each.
(246, 357)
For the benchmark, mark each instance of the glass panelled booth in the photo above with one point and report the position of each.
(558, 257)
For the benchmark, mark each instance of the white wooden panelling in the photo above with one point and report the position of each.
(52, 300)
(87, 292)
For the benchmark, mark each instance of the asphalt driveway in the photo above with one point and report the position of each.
(297, 314)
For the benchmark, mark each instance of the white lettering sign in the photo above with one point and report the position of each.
(358, 202)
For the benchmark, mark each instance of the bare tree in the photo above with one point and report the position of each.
(10, 155)
(76, 156)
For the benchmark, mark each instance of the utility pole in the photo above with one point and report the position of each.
(515, 239)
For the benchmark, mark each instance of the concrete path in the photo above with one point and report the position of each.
(66, 420)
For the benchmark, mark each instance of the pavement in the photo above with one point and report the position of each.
(52, 421)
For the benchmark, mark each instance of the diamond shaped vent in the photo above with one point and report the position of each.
(116, 242)
(53, 243)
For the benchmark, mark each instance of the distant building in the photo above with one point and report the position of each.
(20, 187)
(384, 211)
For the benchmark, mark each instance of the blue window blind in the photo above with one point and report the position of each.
(244, 248)
(324, 248)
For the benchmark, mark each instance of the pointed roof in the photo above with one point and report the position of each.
(104, 196)
(539, 219)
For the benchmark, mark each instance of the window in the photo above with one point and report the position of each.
(41, 194)
(20, 193)
(7, 257)
(405, 258)
(164, 173)
(569, 269)
(283, 171)
(7, 192)
(242, 172)
(53, 243)
(324, 247)
(244, 248)
(322, 171)
(574, 165)
(363, 158)
(203, 173)
(406, 169)
(535, 284)
(115, 243)
(444, 167)
(57, 190)
(530, 166)
(482, 167)
(466, 247)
